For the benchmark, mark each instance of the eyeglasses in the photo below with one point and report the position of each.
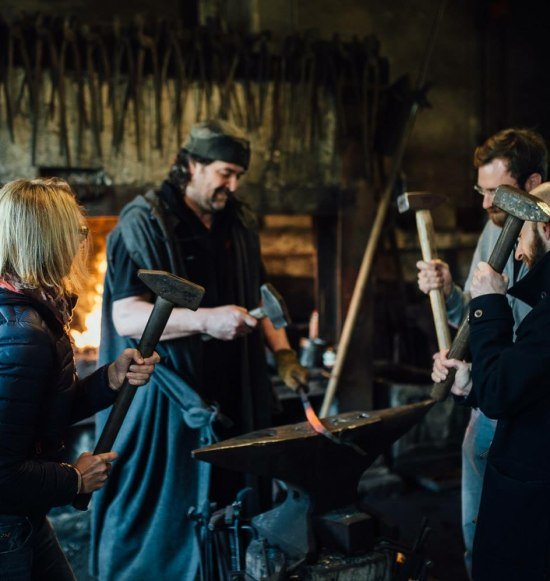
(84, 231)
(485, 191)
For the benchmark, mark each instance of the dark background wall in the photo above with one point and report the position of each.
(487, 71)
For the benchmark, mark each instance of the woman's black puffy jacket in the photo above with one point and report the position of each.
(40, 396)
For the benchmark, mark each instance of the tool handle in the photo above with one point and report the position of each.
(505, 243)
(499, 256)
(257, 313)
(458, 350)
(151, 336)
(426, 236)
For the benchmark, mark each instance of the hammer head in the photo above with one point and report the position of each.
(178, 291)
(419, 201)
(274, 306)
(521, 204)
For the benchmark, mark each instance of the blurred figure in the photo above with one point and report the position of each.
(515, 157)
(509, 382)
(42, 263)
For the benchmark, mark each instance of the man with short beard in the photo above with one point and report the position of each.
(195, 227)
(509, 382)
(515, 157)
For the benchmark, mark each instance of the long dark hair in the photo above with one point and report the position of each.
(179, 174)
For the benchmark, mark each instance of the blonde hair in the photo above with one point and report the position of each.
(41, 242)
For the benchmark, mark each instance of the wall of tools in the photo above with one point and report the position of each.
(122, 96)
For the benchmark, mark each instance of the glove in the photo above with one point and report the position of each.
(290, 371)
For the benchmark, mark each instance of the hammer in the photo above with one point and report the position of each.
(273, 307)
(171, 291)
(520, 207)
(421, 203)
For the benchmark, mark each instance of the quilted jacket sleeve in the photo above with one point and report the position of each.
(27, 368)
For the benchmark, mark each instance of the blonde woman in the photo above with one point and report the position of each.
(42, 263)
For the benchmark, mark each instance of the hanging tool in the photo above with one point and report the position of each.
(6, 66)
(19, 35)
(70, 37)
(94, 88)
(148, 44)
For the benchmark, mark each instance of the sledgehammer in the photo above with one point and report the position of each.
(171, 291)
(521, 207)
(421, 203)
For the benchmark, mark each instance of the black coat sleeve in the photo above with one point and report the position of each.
(91, 395)
(27, 368)
(507, 376)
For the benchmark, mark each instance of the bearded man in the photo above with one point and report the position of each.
(195, 227)
(509, 382)
(515, 157)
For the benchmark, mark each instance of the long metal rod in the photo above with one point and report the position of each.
(372, 245)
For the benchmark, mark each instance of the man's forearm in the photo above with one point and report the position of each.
(130, 315)
(276, 339)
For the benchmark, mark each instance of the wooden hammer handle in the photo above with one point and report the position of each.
(497, 261)
(426, 236)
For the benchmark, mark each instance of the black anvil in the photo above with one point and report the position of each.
(327, 471)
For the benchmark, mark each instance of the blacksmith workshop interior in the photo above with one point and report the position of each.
(348, 105)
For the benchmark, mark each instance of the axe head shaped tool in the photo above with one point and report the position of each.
(415, 201)
(179, 291)
(521, 204)
(274, 306)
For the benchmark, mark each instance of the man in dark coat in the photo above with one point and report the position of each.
(510, 383)
(194, 227)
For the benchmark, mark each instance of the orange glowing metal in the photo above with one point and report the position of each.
(319, 427)
(313, 419)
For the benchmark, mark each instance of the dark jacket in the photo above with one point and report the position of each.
(512, 384)
(140, 529)
(40, 397)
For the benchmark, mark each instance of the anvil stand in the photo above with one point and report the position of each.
(320, 516)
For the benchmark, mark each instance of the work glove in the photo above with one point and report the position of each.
(290, 371)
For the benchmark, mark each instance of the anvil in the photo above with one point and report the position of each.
(327, 471)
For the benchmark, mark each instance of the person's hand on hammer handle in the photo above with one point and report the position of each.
(433, 275)
(290, 371)
(93, 470)
(132, 366)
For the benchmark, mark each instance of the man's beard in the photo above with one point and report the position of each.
(497, 216)
(536, 252)
(215, 202)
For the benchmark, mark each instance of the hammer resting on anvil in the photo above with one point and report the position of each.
(421, 203)
(521, 207)
(170, 291)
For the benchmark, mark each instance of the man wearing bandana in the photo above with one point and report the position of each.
(212, 381)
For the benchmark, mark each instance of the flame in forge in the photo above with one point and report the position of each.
(89, 336)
